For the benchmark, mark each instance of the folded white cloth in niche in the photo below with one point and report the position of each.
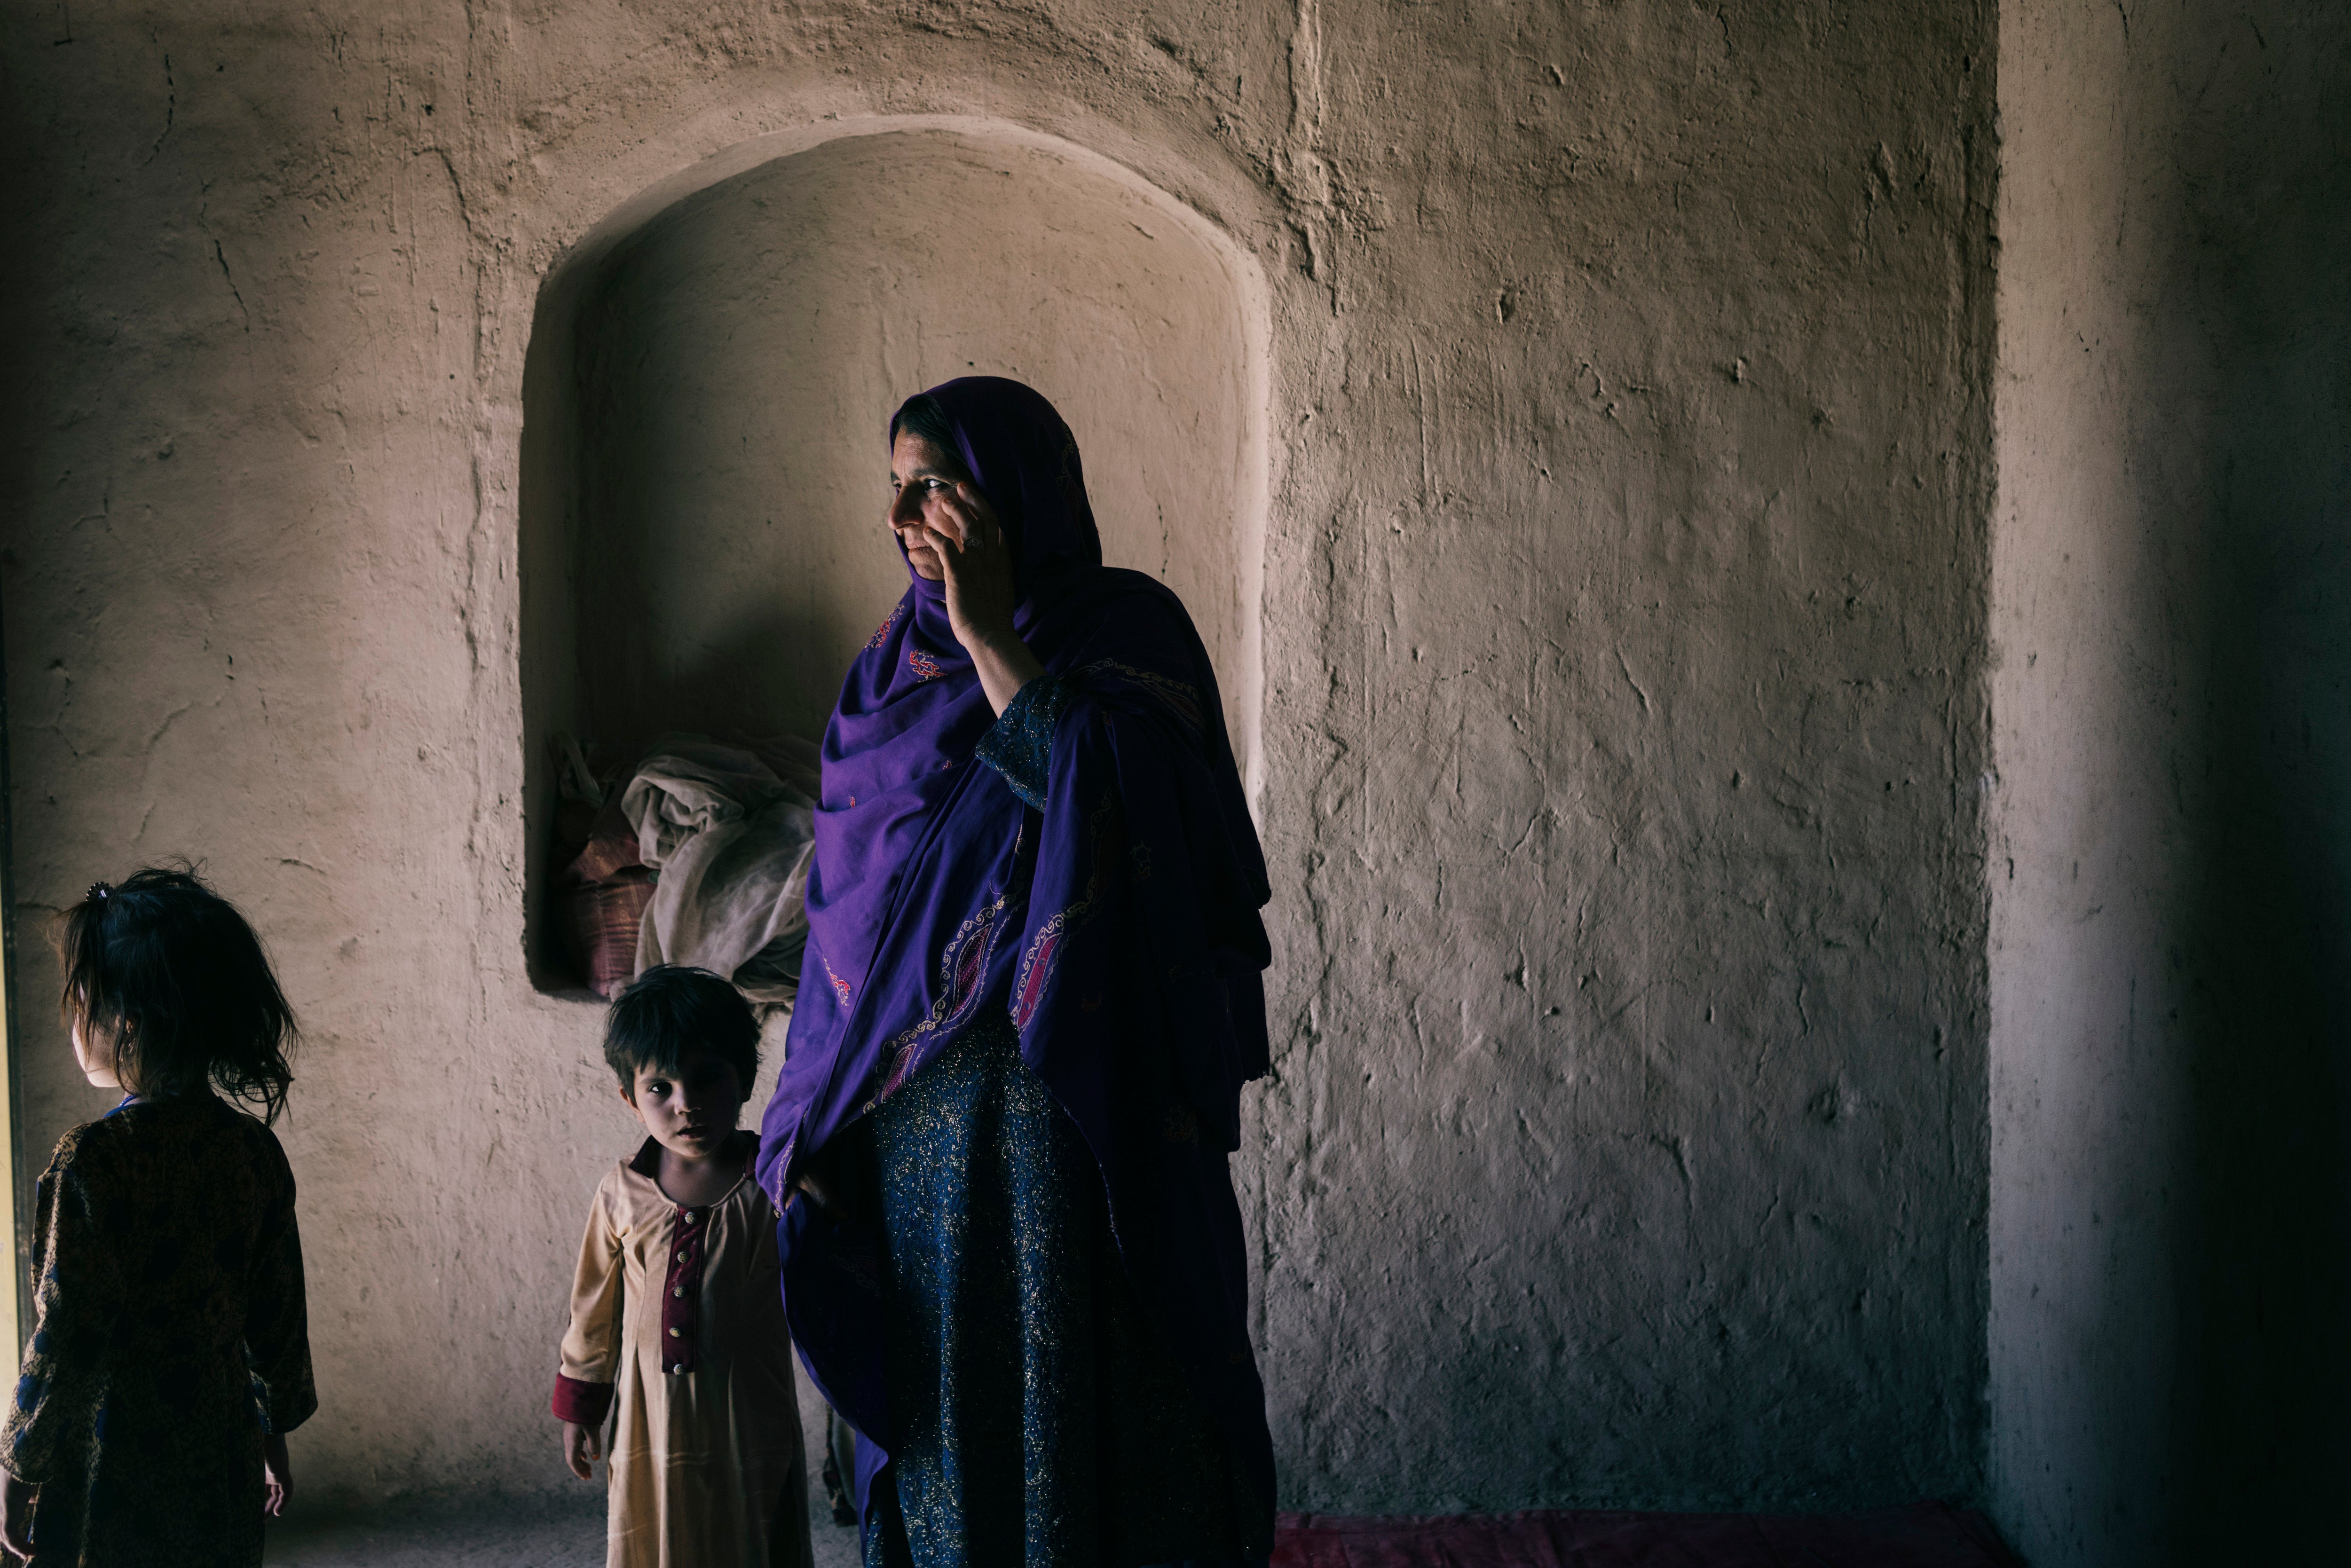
(729, 831)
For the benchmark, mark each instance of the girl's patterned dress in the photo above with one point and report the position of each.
(170, 1336)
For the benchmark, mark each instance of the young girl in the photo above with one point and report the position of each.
(678, 1307)
(171, 1355)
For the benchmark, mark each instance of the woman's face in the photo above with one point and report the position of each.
(921, 477)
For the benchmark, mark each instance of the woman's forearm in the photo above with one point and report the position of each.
(1005, 665)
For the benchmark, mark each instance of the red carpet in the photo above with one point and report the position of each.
(1928, 1535)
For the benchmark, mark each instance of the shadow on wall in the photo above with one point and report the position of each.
(2263, 1436)
(705, 467)
(2172, 1185)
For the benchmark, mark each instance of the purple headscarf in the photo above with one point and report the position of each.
(912, 709)
(1118, 926)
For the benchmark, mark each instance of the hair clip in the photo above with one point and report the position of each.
(98, 889)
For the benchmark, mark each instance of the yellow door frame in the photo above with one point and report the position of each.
(13, 1271)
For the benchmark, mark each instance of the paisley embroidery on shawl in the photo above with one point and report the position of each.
(881, 632)
(925, 667)
(1181, 700)
(840, 986)
(1037, 966)
(962, 966)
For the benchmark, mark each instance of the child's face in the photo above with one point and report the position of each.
(95, 1057)
(691, 1112)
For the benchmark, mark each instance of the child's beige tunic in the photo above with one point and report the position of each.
(705, 1463)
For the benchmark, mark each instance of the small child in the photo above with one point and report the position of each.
(170, 1353)
(677, 1303)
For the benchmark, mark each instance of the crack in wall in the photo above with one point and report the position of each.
(170, 102)
(221, 256)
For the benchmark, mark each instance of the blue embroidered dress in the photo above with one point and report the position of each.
(1046, 1421)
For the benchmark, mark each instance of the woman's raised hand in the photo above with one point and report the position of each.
(977, 566)
(975, 561)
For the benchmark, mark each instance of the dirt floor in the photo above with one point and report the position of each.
(538, 1533)
(560, 1528)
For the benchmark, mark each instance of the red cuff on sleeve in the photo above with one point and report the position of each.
(582, 1403)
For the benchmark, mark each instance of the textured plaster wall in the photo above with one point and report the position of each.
(1625, 581)
(2171, 857)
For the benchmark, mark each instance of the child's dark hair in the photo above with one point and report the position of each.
(166, 972)
(671, 1010)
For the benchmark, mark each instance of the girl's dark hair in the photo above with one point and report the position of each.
(167, 972)
(671, 1010)
(922, 416)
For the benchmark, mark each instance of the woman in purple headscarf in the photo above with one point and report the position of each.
(1030, 997)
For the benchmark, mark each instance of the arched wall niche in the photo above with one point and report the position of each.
(705, 390)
